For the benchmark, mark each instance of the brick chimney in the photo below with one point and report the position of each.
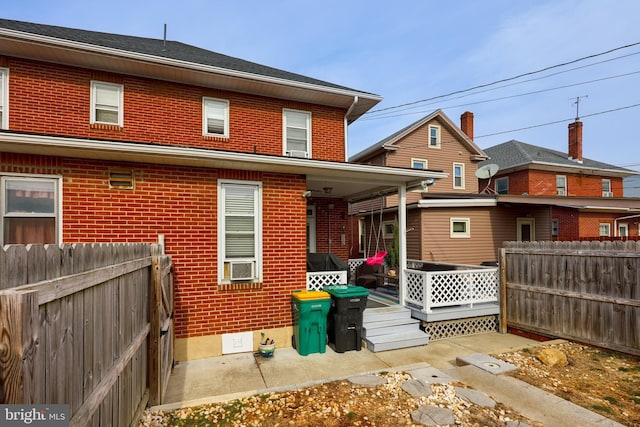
(466, 123)
(575, 141)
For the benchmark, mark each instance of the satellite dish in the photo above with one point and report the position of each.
(487, 171)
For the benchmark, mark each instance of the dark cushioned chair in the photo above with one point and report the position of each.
(366, 275)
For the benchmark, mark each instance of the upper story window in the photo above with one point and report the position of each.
(215, 120)
(458, 175)
(297, 133)
(30, 212)
(239, 231)
(419, 164)
(606, 188)
(434, 136)
(4, 98)
(502, 185)
(561, 185)
(107, 103)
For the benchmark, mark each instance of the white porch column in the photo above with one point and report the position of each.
(402, 241)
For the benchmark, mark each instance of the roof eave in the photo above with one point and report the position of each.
(49, 49)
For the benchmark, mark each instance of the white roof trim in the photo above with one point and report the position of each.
(456, 203)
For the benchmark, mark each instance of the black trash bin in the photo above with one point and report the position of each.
(344, 323)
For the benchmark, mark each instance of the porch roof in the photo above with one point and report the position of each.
(347, 181)
(593, 204)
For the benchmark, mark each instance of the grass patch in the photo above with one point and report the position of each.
(636, 400)
(526, 350)
(611, 400)
(601, 408)
(351, 415)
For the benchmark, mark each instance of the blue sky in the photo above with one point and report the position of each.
(408, 51)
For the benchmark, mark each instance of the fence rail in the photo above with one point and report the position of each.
(75, 326)
(585, 291)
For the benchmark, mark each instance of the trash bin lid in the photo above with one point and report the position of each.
(346, 291)
(310, 295)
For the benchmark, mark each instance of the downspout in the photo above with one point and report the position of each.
(402, 241)
(615, 223)
(346, 125)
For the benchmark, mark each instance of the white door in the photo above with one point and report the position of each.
(623, 230)
(311, 229)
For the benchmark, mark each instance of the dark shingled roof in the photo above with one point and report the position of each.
(156, 47)
(516, 153)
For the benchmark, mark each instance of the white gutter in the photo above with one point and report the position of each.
(456, 203)
(107, 51)
(346, 128)
(177, 155)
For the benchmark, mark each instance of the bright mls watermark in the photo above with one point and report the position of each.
(34, 415)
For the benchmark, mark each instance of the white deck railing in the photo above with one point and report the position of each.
(434, 289)
(318, 279)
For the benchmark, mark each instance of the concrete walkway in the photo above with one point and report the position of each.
(235, 376)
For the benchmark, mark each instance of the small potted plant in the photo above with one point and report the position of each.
(267, 346)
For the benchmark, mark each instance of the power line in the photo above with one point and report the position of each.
(507, 79)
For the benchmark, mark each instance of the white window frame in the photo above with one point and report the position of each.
(4, 98)
(57, 214)
(209, 104)
(604, 229)
(387, 229)
(561, 190)
(606, 188)
(119, 108)
(438, 136)
(623, 229)
(285, 126)
(499, 181)
(466, 234)
(258, 218)
(555, 227)
(423, 162)
(362, 234)
(461, 186)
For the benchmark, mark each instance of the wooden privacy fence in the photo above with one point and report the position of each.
(81, 325)
(584, 291)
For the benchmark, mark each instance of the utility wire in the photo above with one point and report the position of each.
(508, 78)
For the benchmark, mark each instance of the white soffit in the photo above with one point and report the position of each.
(457, 203)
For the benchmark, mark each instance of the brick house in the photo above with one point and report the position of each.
(240, 169)
(585, 196)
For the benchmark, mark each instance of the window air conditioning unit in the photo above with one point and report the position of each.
(607, 194)
(242, 270)
(298, 153)
(562, 192)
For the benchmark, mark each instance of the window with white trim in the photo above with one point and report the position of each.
(561, 185)
(4, 98)
(555, 227)
(30, 210)
(606, 188)
(297, 133)
(434, 136)
(107, 103)
(215, 117)
(239, 231)
(502, 185)
(419, 164)
(460, 228)
(458, 175)
(605, 229)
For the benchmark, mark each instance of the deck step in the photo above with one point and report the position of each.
(395, 341)
(393, 326)
(389, 328)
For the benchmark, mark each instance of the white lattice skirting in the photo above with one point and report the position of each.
(460, 327)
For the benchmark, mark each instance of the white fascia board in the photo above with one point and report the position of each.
(457, 203)
(176, 155)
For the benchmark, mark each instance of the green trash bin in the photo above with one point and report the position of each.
(344, 324)
(310, 309)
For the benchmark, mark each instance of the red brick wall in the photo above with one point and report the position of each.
(543, 183)
(181, 203)
(568, 227)
(336, 218)
(158, 112)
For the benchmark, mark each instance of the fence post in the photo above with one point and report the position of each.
(155, 356)
(503, 290)
(427, 292)
(19, 333)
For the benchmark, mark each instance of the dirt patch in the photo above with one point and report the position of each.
(334, 404)
(602, 381)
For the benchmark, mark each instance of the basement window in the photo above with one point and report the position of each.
(120, 179)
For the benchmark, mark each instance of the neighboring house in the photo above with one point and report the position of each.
(240, 169)
(448, 221)
(583, 195)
